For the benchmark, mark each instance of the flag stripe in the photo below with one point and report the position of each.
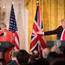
(16, 34)
(38, 17)
(41, 41)
(35, 27)
(33, 44)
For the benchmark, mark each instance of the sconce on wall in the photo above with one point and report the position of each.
(2, 14)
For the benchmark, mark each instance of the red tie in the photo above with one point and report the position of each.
(63, 35)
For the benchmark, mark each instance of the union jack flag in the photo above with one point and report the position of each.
(13, 28)
(37, 33)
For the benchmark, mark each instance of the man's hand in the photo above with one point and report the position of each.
(40, 33)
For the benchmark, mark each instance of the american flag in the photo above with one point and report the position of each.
(13, 28)
(37, 33)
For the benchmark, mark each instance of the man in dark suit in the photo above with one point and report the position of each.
(57, 31)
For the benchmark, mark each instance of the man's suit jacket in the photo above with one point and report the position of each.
(57, 31)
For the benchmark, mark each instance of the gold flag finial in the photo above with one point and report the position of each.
(13, 2)
(37, 2)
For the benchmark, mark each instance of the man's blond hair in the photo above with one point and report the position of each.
(63, 20)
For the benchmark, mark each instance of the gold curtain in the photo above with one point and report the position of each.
(52, 11)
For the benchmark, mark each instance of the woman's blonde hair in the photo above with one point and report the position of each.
(2, 25)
